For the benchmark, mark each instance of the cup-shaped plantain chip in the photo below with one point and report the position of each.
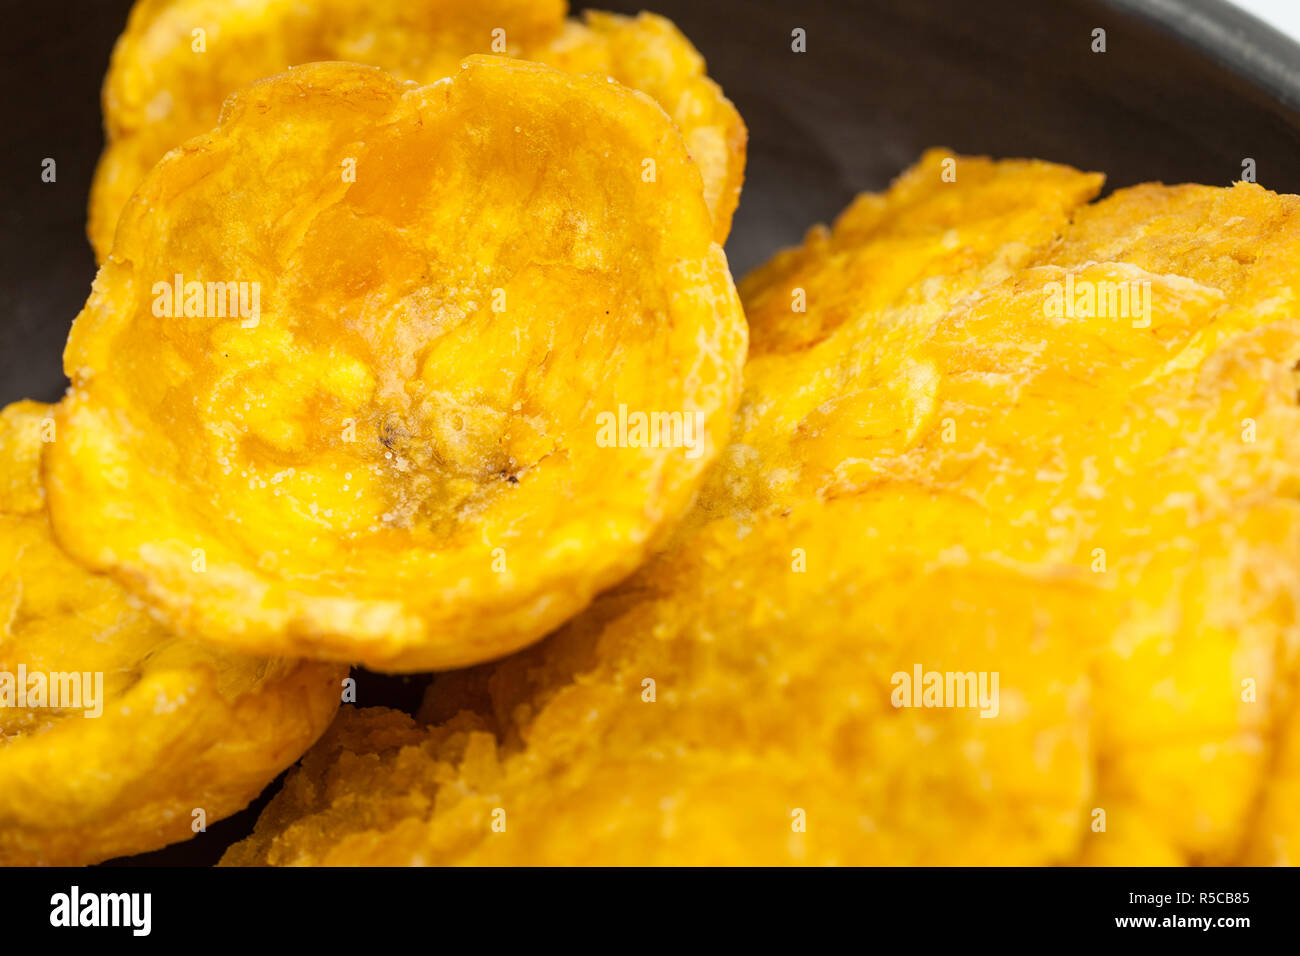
(406, 373)
(179, 59)
(116, 736)
(1002, 567)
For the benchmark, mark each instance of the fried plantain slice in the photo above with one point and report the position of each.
(113, 731)
(729, 711)
(178, 60)
(1097, 504)
(480, 380)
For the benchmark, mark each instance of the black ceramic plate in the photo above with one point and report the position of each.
(1186, 91)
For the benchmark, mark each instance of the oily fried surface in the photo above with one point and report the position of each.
(1100, 508)
(403, 459)
(160, 91)
(182, 726)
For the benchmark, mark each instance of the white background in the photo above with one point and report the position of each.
(1282, 14)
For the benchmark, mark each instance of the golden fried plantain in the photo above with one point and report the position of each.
(472, 388)
(113, 731)
(769, 709)
(986, 471)
(179, 59)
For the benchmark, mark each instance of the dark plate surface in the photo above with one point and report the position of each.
(1186, 91)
